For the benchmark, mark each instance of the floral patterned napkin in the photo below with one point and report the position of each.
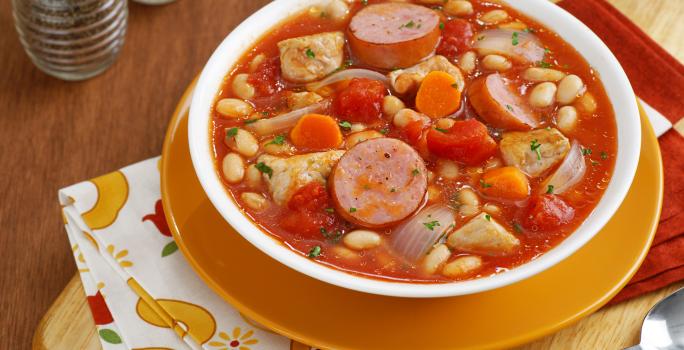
(141, 291)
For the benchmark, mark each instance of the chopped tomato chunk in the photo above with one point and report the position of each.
(547, 212)
(266, 79)
(457, 37)
(361, 101)
(307, 213)
(467, 142)
(312, 196)
(413, 131)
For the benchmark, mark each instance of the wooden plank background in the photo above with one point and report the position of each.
(54, 133)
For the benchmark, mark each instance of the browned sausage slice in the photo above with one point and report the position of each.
(379, 182)
(499, 105)
(394, 35)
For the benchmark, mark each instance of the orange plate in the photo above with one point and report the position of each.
(317, 313)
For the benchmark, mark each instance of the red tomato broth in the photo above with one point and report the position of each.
(382, 263)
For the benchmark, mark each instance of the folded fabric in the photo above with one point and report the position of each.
(141, 290)
(658, 78)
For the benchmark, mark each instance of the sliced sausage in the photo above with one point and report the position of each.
(394, 35)
(499, 105)
(378, 182)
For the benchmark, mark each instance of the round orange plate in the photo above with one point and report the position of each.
(320, 314)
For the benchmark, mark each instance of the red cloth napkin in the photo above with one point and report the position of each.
(658, 78)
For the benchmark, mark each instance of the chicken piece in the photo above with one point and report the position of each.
(483, 235)
(408, 80)
(535, 151)
(299, 100)
(290, 174)
(310, 58)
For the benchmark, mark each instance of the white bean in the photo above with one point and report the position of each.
(275, 149)
(445, 123)
(461, 266)
(337, 10)
(436, 258)
(458, 8)
(569, 89)
(491, 208)
(543, 94)
(586, 103)
(233, 108)
(256, 62)
(470, 203)
(566, 119)
(242, 88)
(447, 169)
(233, 168)
(468, 62)
(242, 141)
(254, 200)
(358, 137)
(404, 117)
(357, 127)
(345, 253)
(542, 74)
(497, 63)
(253, 177)
(391, 105)
(361, 239)
(494, 17)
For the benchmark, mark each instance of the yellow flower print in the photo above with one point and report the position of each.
(237, 341)
(119, 256)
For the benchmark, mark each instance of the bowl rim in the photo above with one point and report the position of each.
(572, 31)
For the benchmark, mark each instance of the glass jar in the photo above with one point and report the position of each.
(71, 39)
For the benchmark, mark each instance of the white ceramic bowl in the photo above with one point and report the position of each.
(572, 30)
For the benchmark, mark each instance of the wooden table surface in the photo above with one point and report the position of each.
(54, 133)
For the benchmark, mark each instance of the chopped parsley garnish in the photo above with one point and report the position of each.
(549, 189)
(517, 227)
(230, 133)
(594, 163)
(314, 252)
(410, 24)
(586, 151)
(347, 64)
(509, 107)
(480, 38)
(441, 25)
(604, 155)
(543, 64)
(333, 236)
(310, 53)
(515, 40)
(345, 125)
(265, 113)
(351, 210)
(534, 146)
(547, 50)
(250, 121)
(431, 225)
(528, 30)
(484, 184)
(278, 140)
(330, 210)
(384, 131)
(415, 172)
(488, 217)
(442, 130)
(262, 167)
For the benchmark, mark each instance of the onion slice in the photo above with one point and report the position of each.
(569, 173)
(414, 238)
(285, 121)
(516, 44)
(346, 75)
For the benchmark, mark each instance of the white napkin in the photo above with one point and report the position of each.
(132, 270)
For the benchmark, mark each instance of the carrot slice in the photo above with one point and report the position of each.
(506, 183)
(316, 132)
(438, 96)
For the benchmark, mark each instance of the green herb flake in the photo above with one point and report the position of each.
(230, 133)
(484, 184)
(384, 131)
(509, 107)
(410, 24)
(250, 121)
(364, 2)
(480, 38)
(442, 130)
(441, 25)
(314, 252)
(604, 155)
(352, 210)
(345, 125)
(528, 30)
(415, 172)
(543, 64)
(547, 50)
(310, 53)
(515, 40)
(431, 225)
(586, 151)
(393, 189)
(265, 169)
(330, 210)
(517, 227)
(278, 140)
(549, 189)
(535, 146)
(488, 217)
